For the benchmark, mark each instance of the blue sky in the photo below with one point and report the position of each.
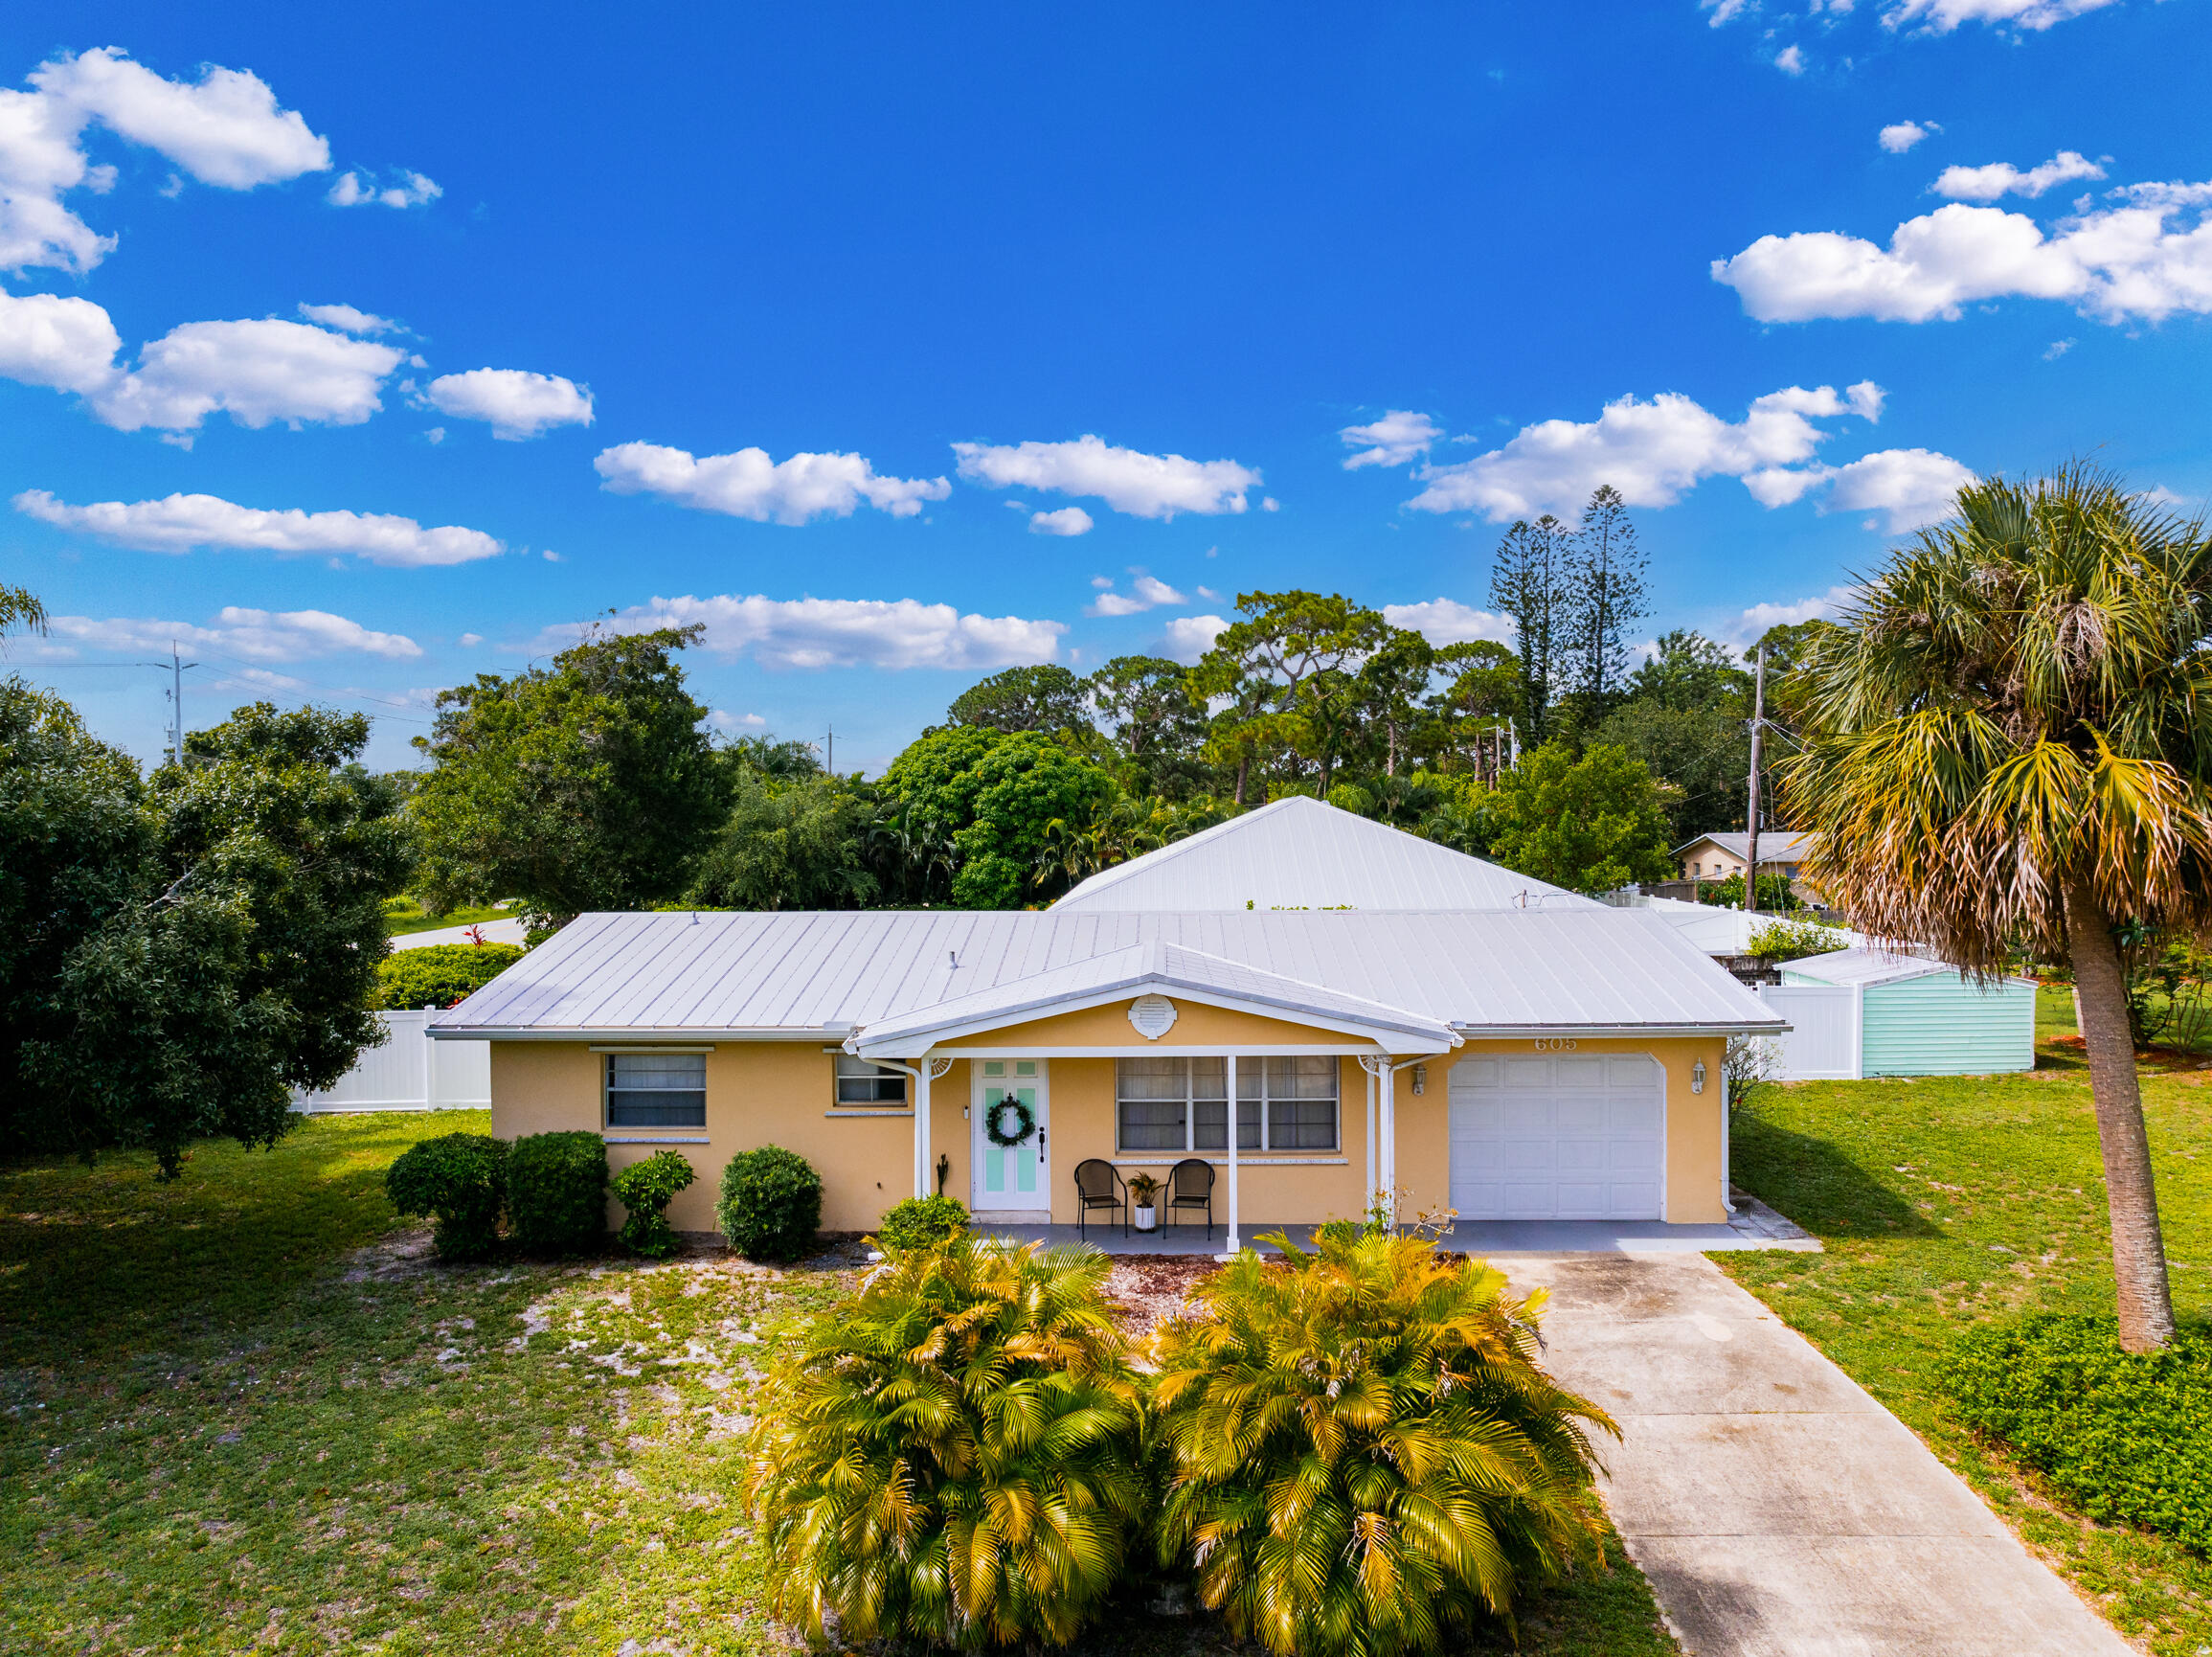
(913, 258)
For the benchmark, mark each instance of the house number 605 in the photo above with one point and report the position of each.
(1555, 1044)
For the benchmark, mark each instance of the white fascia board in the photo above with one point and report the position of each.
(1616, 1031)
(914, 1042)
(637, 1034)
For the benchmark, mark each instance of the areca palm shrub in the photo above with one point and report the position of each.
(2009, 740)
(1364, 1456)
(956, 1454)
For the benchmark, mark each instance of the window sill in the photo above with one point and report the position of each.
(853, 1111)
(1257, 1159)
(612, 1136)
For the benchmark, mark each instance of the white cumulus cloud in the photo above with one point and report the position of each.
(1942, 16)
(66, 344)
(224, 130)
(845, 632)
(1400, 436)
(255, 635)
(1449, 622)
(517, 404)
(349, 319)
(1914, 487)
(749, 485)
(1146, 593)
(1759, 620)
(2003, 178)
(1190, 637)
(1067, 521)
(177, 523)
(1791, 60)
(1140, 485)
(1652, 452)
(357, 189)
(1898, 136)
(2142, 259)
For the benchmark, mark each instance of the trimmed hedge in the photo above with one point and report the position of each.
(771, 1204)
(556, 1192)
(922, 1222)
(460, 1180)
(2125, 1437)
(440, 974)
(645, 1189)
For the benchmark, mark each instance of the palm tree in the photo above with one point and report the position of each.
(2010, 741)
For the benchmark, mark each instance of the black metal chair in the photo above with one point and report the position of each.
(1098, 1186)
(1190, 1185)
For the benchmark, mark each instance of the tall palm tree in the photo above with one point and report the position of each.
(2010, 740)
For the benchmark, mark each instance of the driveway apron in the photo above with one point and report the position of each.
(1777, 1510)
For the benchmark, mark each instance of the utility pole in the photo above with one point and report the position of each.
(1758, 727)
(176, 667)
(832, 766)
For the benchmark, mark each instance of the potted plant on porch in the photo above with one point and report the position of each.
(1143, 1190)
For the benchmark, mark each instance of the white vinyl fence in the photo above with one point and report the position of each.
(1823, 1043)
(410, 1072)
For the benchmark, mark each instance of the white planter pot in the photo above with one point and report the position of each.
(1147, 1219)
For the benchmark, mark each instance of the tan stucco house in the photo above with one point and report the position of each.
(1505, 1049)
(1717, 857)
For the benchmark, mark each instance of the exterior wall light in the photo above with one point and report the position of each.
(1698, 1076)
(1420, 1078)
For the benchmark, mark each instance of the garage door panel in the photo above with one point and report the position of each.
(1558, 1138)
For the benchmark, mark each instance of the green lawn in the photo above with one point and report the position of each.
(1947, 1201)
(402, 915)
(242, 1411)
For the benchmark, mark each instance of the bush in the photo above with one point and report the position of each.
(771, 1204)
(922, 1222)
(2124, 1436)
(646, 1189)
(1365, 1456)
(459, 1179)
(440, 974)
(1791, 937)
(556, 1191)
(954, 1456)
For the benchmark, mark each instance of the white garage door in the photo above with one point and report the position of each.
(1561, 1138)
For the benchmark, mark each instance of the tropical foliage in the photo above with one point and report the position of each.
(1589, 824)
(922, 1222)
(440, 975)
(644, 1190)
(2006, 742)
(957, 1455)
(1363, 1455)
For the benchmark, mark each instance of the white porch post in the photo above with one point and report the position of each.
(921, 1125)
(1390, 1159)
(1235, 1243)
(1371, 1168)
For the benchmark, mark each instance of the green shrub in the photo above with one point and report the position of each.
(440, 974)
(2124, 1436)
(646, 1189)
(1791, 937)
(771, 1204)
(460, 1180)
(556, 1192)
(954, 1456)
(1365, 1457)
(922, 1222)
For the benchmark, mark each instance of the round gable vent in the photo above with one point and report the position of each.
(1152, 1015)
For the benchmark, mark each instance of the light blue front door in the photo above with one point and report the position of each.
(1011, 1097)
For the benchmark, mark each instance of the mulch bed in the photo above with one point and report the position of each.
(1149, 1289)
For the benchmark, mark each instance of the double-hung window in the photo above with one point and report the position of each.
(656, 1090)
(864, 1084)
(1182, 1105)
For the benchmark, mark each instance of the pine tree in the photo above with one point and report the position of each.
(1528, 582)
(1607, 596)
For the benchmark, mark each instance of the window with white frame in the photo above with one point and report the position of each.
(864, 1084)
(1182, 1105)
(656, 1090)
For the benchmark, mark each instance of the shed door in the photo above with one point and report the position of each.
(1559, 1138)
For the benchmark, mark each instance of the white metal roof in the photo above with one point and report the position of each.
(1870, 964)
(768, 975)
(1302, 853)
(1715, 930)
(1152, 966)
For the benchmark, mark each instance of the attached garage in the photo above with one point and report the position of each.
(1560, 1137)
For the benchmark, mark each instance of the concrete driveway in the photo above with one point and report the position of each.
(1777, 1510)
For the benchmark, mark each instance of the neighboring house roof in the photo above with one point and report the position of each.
(1775, 845)
(1715, 930)
(1871, 965)
(1302, 853)
(1500, 971)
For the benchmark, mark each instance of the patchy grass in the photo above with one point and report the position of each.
(242, 1411)
(403, 915)
(1947, 1202)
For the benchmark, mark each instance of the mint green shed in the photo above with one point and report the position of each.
(1907, 1015)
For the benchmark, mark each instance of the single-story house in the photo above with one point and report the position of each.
(1717, 857)
(1535, 1055)
(1869, 1011)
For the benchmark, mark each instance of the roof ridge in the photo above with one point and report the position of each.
(1175, 849)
